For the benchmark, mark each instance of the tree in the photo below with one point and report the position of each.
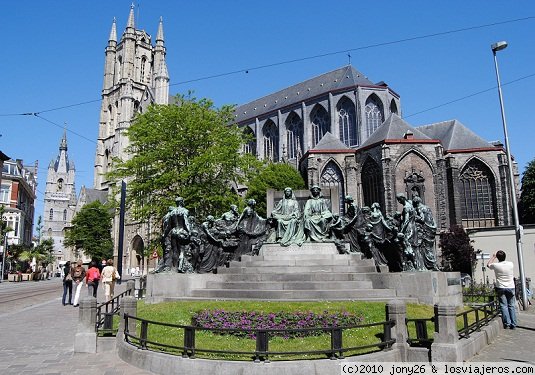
(527, 197)
(457, 250)
(191, 150)
(276, 176)
(91, 231)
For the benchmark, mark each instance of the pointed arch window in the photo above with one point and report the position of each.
(347, 122)
(64, 215)
(294, 136)
(250, 146)
(332, 177)
(478, 192)
(271, 141)
(319, 118)
(393, 107)
(51, 214)
(374, 114)
(372, 183)
(142, 70)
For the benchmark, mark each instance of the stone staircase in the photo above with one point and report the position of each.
(315, 271)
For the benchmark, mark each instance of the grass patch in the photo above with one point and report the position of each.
(181, 312)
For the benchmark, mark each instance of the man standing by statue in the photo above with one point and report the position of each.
(288, 215)
(317, 217)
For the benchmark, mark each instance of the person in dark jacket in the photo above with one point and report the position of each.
(67, 284)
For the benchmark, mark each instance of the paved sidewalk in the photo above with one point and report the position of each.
(513, 345)
(40, 339)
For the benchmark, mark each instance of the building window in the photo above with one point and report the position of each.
(64, 215)
(393, 107)
(478, 206)
(374, 114)
(346, 123)
(271, 142)
(4, 193)
(16, 227)
(319, 119)
(250, 146)
(332, 177)
(143, 62)
(372, 183)
(51, 215)
(60, 184)
(294, 136)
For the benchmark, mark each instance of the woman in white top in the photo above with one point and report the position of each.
(108, 276)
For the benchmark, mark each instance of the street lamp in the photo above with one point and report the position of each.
(498, 46)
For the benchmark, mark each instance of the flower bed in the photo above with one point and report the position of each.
(250, 320)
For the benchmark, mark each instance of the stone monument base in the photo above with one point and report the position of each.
(314, 271)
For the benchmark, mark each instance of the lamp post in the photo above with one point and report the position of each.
(498, 46)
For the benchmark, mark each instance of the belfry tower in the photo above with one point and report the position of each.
(135, 76)
(60, 199)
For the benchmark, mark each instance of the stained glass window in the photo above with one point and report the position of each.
(294, 136)
(271, 142)
(477, 196)
(320, 124)
(374, 114)
(346, 123)
(332, 177)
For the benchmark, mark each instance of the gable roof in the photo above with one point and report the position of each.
(346, 76)
(394, 127)
(330, 142)
(453, 135)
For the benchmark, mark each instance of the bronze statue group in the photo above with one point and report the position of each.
(403, 242)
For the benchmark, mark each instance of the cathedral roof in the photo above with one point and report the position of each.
(453, 135)
(330, 142)
(394, 127)
(341, 78)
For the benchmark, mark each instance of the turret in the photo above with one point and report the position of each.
(111, 51)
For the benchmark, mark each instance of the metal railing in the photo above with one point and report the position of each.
(106, 311)
(482, 315)
(422, 338)
(262, 336)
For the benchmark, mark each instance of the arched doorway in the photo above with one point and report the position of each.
(136, 254)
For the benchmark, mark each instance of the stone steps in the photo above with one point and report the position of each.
(342, 261)
(284, 277)
(303, 295)
(292, 285)
(267, 268)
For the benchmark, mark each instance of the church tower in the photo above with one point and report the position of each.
(135, 76)
(60, 198)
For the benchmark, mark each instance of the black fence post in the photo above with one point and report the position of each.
(189, 342)
(126, 331)
(387, 333)
(144, 332)
(262, 343)
(336, 343)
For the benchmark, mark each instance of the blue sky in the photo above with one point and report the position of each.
(53, 57)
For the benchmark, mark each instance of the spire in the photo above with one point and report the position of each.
(131, 17)
(113, 32)
(159, 36)
(63, 143)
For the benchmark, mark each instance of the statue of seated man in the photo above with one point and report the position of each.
(317, 216)
(288, 215)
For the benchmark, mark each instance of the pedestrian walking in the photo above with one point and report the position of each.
(109, 276)
(92, 278)
(505, 287)
(78, 277)
(67, 284)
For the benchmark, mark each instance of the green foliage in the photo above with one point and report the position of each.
(91, 231)
(457, 250)
(191, 150)
(276, 176)
(527, 197)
